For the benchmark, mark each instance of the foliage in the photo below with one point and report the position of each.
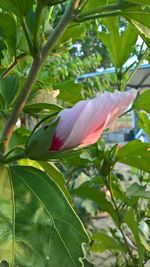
(44, 46)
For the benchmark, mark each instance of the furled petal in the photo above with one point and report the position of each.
(83, 124)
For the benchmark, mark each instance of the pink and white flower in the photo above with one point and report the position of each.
(84, 123)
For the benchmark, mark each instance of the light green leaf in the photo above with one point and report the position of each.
(136, 154)
(143, 101)
(114, 39)
(139, 15)
(38, 226)
(93, 6)
(69, 91)
(72, 33)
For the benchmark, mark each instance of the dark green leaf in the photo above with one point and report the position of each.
(9, 32)
(57, 176)
(136, 154)
(8, 89)
(88, 264)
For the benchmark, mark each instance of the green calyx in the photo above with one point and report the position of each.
(37, 146)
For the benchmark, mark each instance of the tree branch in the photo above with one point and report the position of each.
(66, 19)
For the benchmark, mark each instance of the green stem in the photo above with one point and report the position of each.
(66, 19)
(28, 36)
(16, 61)
(38, 14)
(14, 158)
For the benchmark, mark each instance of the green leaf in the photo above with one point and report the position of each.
(136, 154)
(131, 221)
(52, 171)
(140, 16)
(114, 39)
(144, 122)
(93, 6)
(99, 197)
(19, 137)
(103, 242)
(144, 31)
(72, 33)
(38, 226)
(9, 32)
(9, 87)
(19, 7)
(142, 101)
(69, 91)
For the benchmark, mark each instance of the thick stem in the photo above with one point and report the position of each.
(37, 63)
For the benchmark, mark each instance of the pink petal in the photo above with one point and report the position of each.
(84, 123)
